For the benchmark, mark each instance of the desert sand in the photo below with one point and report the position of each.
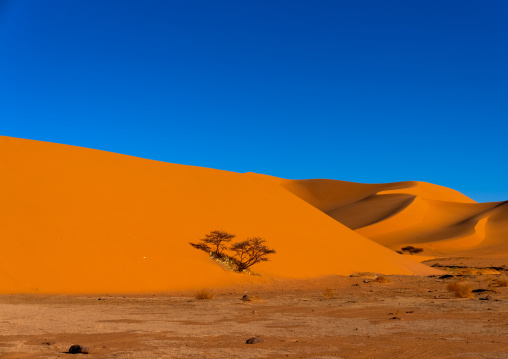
(77, 220)
(330, 317)
(438, 219)
(96, 252)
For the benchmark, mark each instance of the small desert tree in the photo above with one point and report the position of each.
(214, 242)
(412, 250)
(250, 252)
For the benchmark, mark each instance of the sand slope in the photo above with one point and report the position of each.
(76, 220)
(439, 219)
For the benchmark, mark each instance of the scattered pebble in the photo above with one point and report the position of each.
(78, 349)
(254, 340)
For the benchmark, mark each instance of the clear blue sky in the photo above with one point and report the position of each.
(365, 91)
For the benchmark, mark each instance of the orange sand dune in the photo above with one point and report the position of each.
(76, 220)
(436, 218)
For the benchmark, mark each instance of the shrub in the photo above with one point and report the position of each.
(460, 290)
(382, 279)
(329, 293)
(214, 242)
(499, 283)
(411, 250)
(204, 294)
(245, 254)
(250, 252)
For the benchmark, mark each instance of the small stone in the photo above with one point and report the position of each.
(78, 349)
(246, 298)
(446, 276)
(254, 340)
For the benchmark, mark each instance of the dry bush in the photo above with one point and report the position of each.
(329, 293)
(244, 254)
(204, 294)
(250, 252)
(411, 250)
(214, 242)
(382, 279)
(460, 290)
(499, 283)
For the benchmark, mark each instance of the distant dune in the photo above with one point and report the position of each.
(77, 220)
(438, 219)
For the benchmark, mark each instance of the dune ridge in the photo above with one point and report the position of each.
(77, 220)
(438, 219)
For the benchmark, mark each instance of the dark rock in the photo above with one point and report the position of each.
(446, 276)
(489, 297)
(395, 318)
(78, 349)
(246, 298)
(254, 340)
(481, 290)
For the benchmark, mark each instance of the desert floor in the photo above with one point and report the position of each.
(339, 317)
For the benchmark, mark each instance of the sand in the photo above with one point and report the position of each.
(410, 317)
(77, 220)
(442, 221)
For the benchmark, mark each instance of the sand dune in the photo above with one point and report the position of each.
(76, 220)
(439, 219)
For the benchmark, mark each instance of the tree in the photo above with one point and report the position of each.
(412, 250)
(250, 252)
(214, 242)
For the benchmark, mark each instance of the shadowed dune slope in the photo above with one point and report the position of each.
(437, 218)
(77, 220)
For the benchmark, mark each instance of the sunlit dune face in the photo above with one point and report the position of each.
(436, 218)
(76, 220)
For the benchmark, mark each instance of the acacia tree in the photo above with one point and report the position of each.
(250, 252)
(214, 242)
(412, 250)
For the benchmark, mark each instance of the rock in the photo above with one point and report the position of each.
(446, 276)
(246, 298)
(254, 340)
(481, 290)
(78, 349)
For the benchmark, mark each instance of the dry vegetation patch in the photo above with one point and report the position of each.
(382, 279)
(461, 290)
(204, 294)
(329, 293)
(499, 283)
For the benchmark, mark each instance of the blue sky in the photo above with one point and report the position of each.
(365, 91)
